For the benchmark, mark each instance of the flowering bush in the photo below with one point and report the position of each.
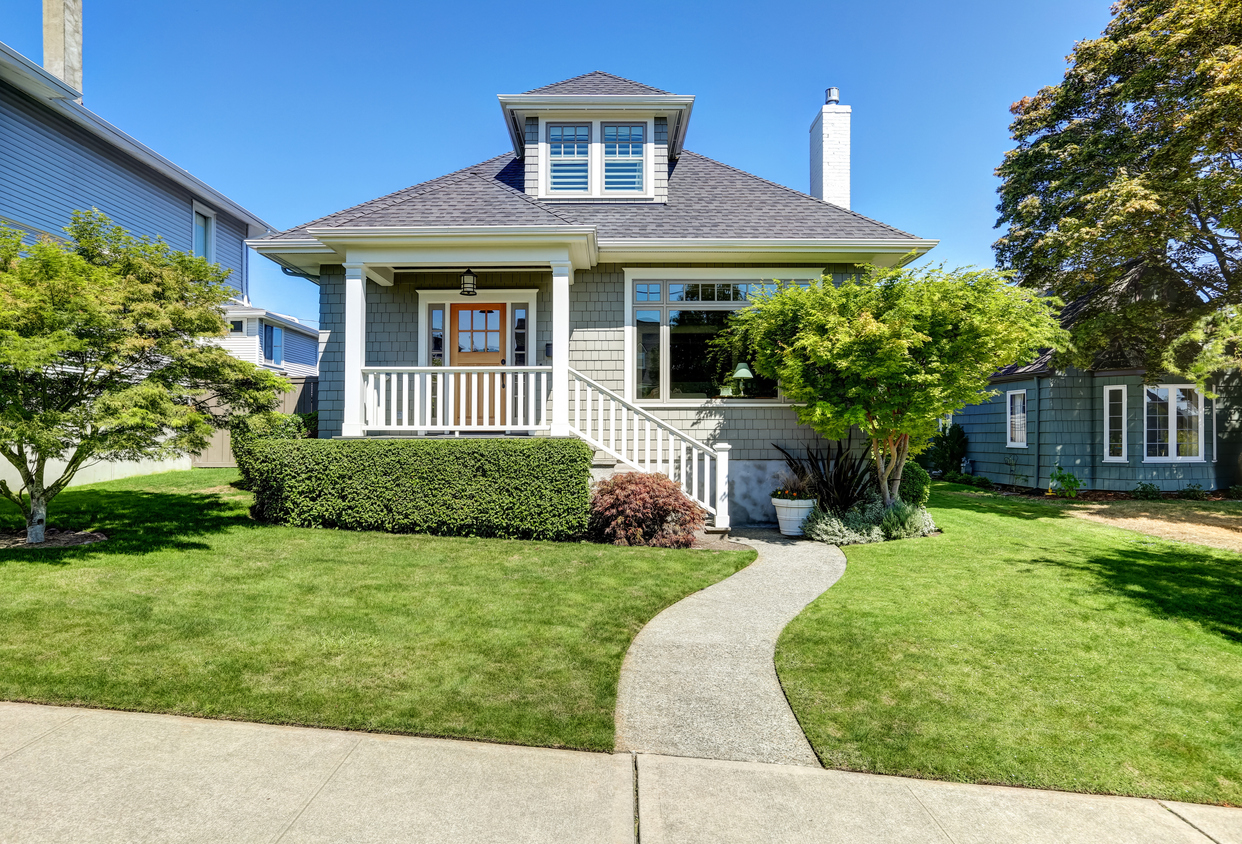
(636, 508)
(793, 488)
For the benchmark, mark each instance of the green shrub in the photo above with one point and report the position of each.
(915, 486)
(1193, 492)
(1146, 492)
(640, 508)
(947, 449)
(522, 488)
(1234, 491)
(245, 431)
(865, 523)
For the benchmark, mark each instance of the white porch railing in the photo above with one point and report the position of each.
(647, 443)
(459, 399)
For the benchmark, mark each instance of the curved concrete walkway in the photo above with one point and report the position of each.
(700, 679)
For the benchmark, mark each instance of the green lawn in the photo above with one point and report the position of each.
(1026, 647)
(192, 608)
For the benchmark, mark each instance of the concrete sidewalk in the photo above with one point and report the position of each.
(79, 775)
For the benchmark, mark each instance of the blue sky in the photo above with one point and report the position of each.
(299, 109)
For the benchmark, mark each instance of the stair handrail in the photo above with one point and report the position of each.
(638, 411)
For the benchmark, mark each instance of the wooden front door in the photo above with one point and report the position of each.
(477, 337)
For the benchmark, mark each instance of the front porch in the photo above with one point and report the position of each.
(423, 359)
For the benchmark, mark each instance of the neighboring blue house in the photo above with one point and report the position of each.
(1106, 427)
(57, 157)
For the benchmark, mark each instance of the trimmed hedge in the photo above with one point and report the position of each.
(516, 488)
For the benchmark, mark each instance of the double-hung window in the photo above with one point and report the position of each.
(623, 157)
(1115, 450)
(569, 148)
(1016, 417)
(1173, 415)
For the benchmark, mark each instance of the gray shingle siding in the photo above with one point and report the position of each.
(1069, 419)
(332, 361)
(50, 168)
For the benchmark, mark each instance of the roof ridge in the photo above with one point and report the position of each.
(388, 196)
(797, 192)
(601, 73)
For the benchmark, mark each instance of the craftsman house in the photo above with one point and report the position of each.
(569, 287)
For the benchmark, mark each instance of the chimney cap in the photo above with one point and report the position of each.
(832, 96)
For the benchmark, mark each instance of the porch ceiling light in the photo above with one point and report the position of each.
(469, 283)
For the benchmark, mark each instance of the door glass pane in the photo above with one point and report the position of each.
(1187, 422)
(1116, 424)
(1157, 421)
(648, 370)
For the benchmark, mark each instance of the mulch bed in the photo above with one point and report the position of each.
(53, 538)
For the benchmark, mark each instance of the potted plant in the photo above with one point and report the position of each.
(793, 501)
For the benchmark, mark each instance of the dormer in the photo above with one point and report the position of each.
(597, 138)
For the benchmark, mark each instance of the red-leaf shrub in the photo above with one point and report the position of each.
(636, 508)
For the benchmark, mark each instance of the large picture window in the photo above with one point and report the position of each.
(675, 358)
(1174, 423)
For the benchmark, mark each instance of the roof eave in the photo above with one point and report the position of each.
(512, 104)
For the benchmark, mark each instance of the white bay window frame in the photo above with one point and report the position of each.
(1010, 419)
(1110, 392)
(678, 275)
(1171, 411)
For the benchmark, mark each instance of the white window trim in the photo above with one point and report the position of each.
(1125, 424)
(595, 159)
(1173, 458)
(633, 275)
(509, 296)
(200, 208)
(1009, 443)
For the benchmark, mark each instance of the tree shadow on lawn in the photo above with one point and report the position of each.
(135, 522)
(1171, 583)
(1014, 507)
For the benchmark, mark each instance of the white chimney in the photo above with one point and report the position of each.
(830, 151)
(62, 41)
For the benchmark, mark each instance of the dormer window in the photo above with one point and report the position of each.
(569, 148)
(623, 157)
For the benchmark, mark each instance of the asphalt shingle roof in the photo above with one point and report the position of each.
(706, 199)
(596, 83)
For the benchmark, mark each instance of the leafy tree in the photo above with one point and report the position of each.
(893, 352)
(1125, 189)
(102, 356)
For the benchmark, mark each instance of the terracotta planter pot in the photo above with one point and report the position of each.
(791, 513)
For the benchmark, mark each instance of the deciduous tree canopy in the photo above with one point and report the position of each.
(1125, 189)
(893, 352)
(102, 356)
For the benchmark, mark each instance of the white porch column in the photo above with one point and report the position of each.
(722, 484)
(355, 347)
(562, 274)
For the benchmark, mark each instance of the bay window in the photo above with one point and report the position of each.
(1016, 416)
(1115, 424)
(1173, 416)
(569, 156)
